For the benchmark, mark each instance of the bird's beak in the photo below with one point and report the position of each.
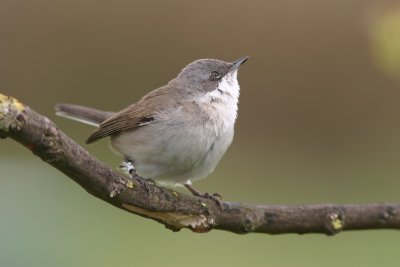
(236, 64)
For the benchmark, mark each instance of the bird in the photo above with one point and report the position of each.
(177, 133)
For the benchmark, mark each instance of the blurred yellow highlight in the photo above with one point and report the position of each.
(385, 34)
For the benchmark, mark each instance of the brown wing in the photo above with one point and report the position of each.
(137, 114)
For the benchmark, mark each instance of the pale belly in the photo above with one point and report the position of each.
(173, 154)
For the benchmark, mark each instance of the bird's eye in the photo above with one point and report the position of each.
(215, 75)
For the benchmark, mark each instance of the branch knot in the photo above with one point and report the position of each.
(334, 222)
(10, 113)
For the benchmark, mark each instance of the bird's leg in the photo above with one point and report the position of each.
(214, 197)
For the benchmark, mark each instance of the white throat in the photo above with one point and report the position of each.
(222, 104)
(229, 85)
(227, 91)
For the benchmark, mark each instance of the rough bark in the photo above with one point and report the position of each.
(174, 209)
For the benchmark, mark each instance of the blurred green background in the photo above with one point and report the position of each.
(319, 121)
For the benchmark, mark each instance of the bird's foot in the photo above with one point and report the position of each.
(145, 182)
(214, 197)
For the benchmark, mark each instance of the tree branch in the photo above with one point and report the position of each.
(173, 209)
